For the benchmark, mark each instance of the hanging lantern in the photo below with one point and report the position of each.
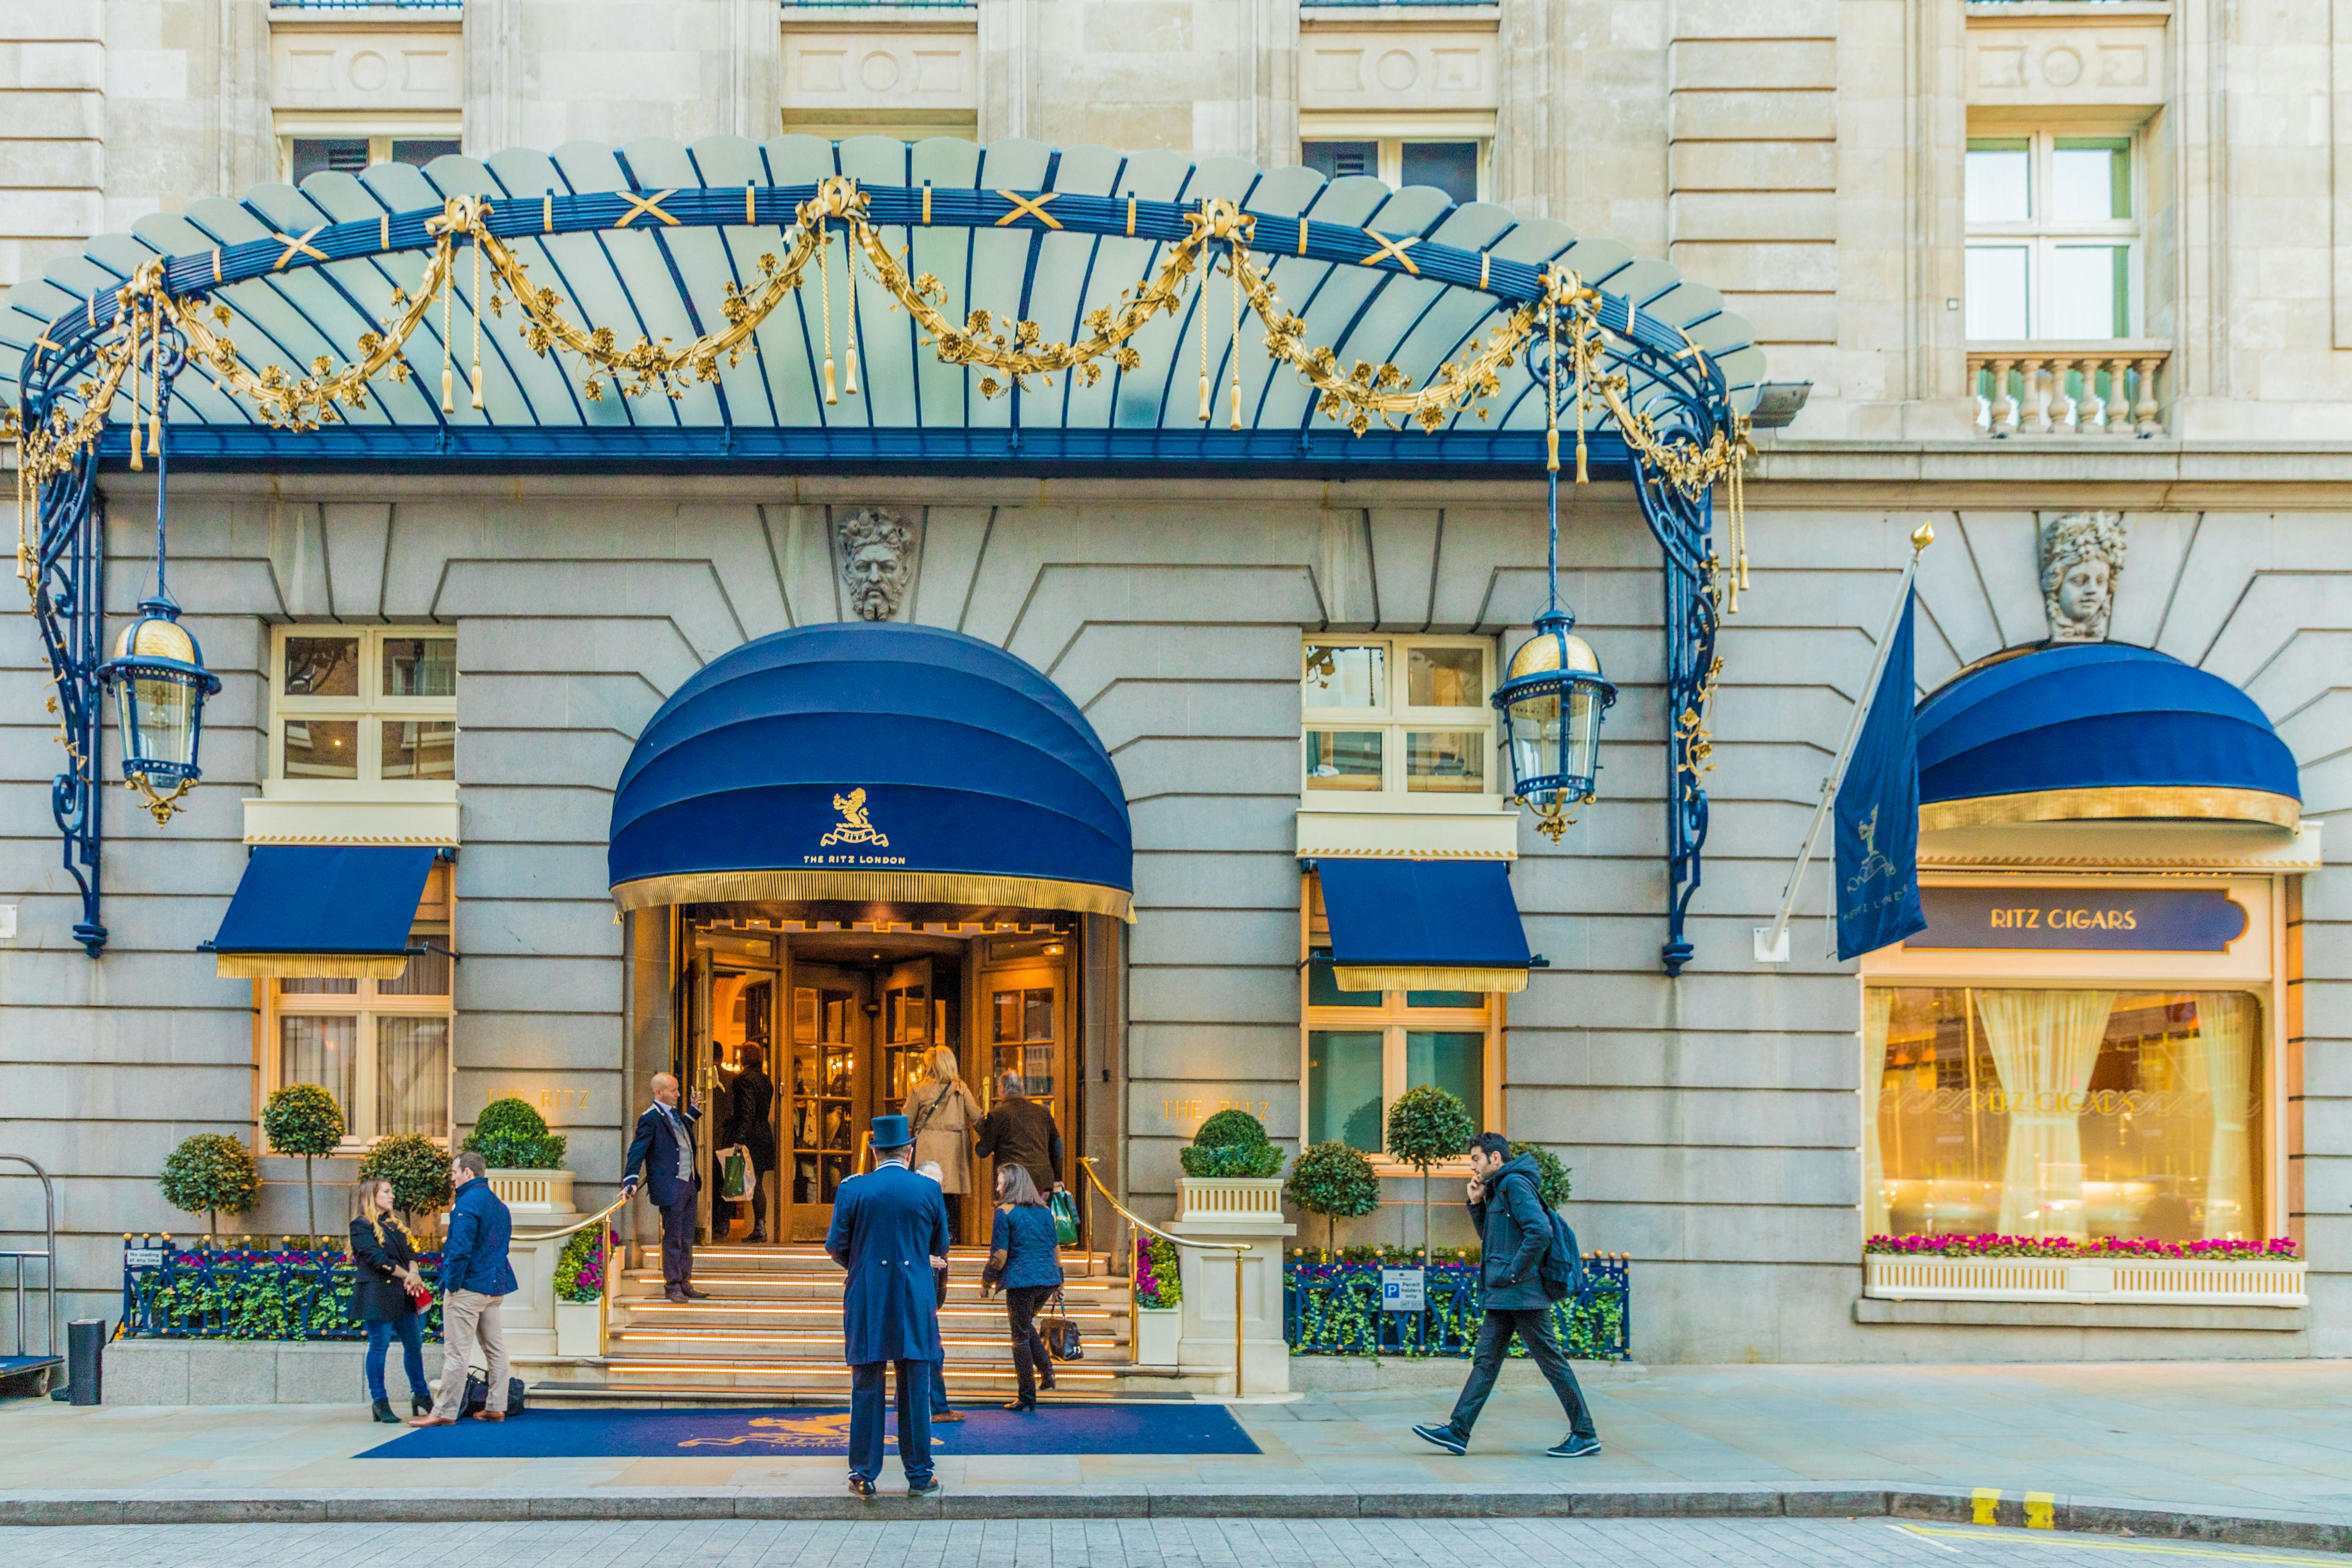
(1552, 699)
(160, 685)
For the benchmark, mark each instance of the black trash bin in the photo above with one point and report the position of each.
(85, 1359)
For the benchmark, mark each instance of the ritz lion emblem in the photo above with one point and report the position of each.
(853, 828)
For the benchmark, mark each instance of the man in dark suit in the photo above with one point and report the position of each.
(664, 1147)
(890, 1231)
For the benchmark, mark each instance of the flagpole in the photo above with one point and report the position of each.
(1772, 941)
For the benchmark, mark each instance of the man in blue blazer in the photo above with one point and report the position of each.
(664, 1147)
(475, 1276)
(890, 1231)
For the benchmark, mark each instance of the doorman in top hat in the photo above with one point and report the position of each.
(890, 1231)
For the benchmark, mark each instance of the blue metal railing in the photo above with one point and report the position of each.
(175, 1291)
(1334, 1308)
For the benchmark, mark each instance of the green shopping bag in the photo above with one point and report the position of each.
(734, 1174)
(1066, 1219)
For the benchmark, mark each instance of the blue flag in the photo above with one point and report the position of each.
(1879, 813)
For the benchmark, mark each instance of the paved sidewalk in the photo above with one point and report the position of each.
(2270, 1440)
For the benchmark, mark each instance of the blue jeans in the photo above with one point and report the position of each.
(411, 1329)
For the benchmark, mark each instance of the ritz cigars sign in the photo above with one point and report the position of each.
(2125, 919)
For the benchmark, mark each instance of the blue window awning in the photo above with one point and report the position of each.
(1423, 925)
(339, 912)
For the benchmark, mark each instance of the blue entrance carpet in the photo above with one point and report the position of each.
(741, 1434)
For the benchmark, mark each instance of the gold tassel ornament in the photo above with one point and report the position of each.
(825, 283)
(476, 304)
(849, 275)
(137, 426)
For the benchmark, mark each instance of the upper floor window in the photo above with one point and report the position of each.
(376, 706)
(2052, 237)
(1402, 718)
(1454, 165)
(356, 154)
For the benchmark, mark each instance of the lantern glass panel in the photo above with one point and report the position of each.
(157, 715)
(1583, 757)
(1535, 738)
(1343, 759)
(1446, 761)
(1345, 676)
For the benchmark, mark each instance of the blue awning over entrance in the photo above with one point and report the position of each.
(871, 762)
(340, 911)
(1423, 925)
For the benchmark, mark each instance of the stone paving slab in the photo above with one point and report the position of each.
(2260, 1453)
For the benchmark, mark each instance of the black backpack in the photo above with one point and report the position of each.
(1562, 1270)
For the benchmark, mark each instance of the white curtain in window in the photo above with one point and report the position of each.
(1878, 1013)
(2044, 1044)
(321, 1048)
(2225, 1058)
(412, 1076)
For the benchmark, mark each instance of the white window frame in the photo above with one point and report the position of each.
(2040, 236)
(368, 709)
(381, 128)
(1395, 718)
(1391, 132)
(1392, 1020)
(367, 1005)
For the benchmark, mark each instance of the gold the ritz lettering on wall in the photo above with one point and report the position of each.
(1195, 1111)
(563, 1099)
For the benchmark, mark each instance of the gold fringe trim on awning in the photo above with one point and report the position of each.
(877, 887)
(311, 965)
(1407, 977)
(2174, 803)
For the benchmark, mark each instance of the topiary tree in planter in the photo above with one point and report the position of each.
(1426, 1125)
(418, 1170)
(303, 1118)
(1230, 1143)
(211, 1175)
(512, 1136)
(1334, 1179)
(1551, 1182)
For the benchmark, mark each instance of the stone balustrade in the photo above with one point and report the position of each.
(2105, 388)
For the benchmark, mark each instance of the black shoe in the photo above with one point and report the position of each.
(946, 1418)
(928, 1487)
(677, 1295)
(383, 1412)
(420, 1404)
(691, 1294)
(1443, 1437)
(1574, 1448)
(1026, 1404)
(860, 1487)
(757, 1239)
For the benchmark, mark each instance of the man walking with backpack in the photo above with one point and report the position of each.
(1523, 1273)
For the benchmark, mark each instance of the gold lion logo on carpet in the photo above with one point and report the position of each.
(853, 828)
(788, 1432)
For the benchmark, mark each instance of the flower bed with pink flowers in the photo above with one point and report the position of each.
(2097, 1249)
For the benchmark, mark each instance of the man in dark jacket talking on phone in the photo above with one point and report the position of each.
(1515, 1232)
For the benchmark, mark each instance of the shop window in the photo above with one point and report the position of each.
(2077, 1113)
(355, 154)
(2052, 237)
(380, 1046)
(1454, 165)
(1364, 1048)
(1401, 719)
(375, 707)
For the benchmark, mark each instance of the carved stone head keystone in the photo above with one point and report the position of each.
(878, 562)
(2082, 560)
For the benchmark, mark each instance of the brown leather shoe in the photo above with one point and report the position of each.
(946, 1418)
(428, 1419)
(490, 1414)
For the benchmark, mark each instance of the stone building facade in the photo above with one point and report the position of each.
(1862, 179)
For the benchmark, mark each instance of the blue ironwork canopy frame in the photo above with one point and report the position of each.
(1680, 388)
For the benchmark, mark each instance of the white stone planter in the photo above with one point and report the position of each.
(2148, 1281)
(534, 1192)
(577, 1328)
(1219, 1199)
(1158, 1331)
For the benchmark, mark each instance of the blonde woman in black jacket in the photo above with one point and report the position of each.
(384, 1273)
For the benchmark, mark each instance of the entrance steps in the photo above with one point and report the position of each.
(771, 1332)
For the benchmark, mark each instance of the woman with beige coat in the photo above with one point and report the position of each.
(942, 1112)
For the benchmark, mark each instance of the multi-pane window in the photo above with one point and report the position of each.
(1397, 717)
(376, 706)
(1364, 1048)
(380, 1046)
(2052, 237)
(306, 155)
(1452, 165)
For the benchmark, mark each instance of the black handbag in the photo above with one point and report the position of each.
(478, 1395)
(1060, 1333)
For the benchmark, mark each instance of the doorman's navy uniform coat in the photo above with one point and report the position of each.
(887, 1226)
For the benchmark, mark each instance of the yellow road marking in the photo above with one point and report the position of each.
(2040, 1511)
(1986, 1503)
(2079, 1544)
